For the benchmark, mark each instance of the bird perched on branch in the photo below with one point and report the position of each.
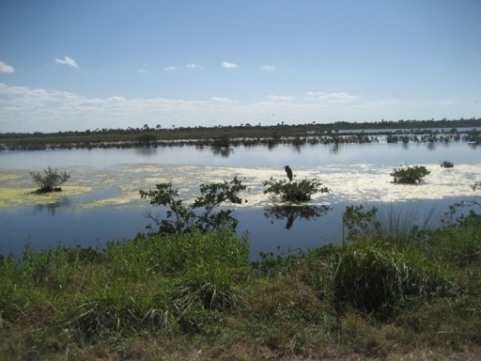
(288, 172)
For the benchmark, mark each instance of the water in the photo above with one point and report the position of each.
(101, 200)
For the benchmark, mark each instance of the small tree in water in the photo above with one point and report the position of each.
(202, 213)
(410, 175)
(296, 192)
(50, 180)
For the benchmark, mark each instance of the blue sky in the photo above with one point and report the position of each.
(76, 65)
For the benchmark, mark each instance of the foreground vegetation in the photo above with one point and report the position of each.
(197, 295)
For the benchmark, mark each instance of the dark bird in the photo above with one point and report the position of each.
(288, 172)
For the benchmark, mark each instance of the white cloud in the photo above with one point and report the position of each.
(67, 61)
(221, 100)
(228, 65)
(340, 97)
(5, 68)
(269, 67)
(170, 68)
(194, 66)
(51, 111)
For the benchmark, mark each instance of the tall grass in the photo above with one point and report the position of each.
(156, 297)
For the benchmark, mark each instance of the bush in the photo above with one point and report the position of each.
(447, 164)
(298, 191)
(410, 175)
(202, 213)
(50, 180)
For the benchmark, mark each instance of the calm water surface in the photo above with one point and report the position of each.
(101, 201)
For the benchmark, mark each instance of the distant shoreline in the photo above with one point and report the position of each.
(465, 130)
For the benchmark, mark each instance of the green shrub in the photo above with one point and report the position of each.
(410, 174)
(50, 180)
(447, 164)
(203, 214)
(296, 192)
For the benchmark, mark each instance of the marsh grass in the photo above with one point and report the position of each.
(197, 296)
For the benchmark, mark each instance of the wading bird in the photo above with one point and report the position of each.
(288, 172)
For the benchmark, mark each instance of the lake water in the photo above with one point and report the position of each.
(101, 200)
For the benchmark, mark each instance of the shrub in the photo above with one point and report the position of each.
(50, 180)
(410, 175)
(202, 213)
(447, 164)
(298, 191)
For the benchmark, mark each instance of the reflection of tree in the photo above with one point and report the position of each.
(293, 212)
(146, 151)
(334, 148)
(52, 208)
(222, 151)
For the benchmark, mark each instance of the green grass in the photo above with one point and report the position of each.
(197, 296)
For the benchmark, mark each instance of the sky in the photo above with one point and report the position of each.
(94, 64)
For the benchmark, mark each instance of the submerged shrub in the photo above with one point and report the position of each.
(50, 180)
(410, 174)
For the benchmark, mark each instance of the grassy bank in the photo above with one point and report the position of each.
(197, 296)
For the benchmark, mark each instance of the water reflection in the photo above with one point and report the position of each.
(292, 212)
(222, 151)
(146, 151)
(52, 208)
(334, 149)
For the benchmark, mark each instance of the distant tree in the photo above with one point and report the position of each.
(50, 180)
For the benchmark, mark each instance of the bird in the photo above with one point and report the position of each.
(288, 172)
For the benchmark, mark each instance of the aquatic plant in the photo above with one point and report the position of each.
(50, 180)
(409, 174)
